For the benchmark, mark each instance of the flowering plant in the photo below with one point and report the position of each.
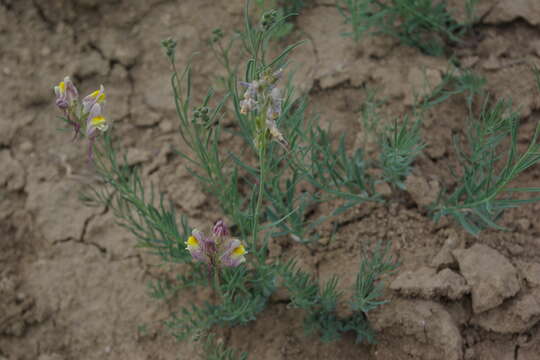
(85, 117)
(279, 149)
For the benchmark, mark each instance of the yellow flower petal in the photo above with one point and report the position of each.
(98, 120)
(192, 241)
(239, 251)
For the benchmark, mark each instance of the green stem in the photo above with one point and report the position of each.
(217, 285)
(262, 153)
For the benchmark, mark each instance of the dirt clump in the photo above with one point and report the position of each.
(490, 275)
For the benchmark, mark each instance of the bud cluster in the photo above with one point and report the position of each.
(268, 19)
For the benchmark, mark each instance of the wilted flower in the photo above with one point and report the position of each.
(266, 96)
(66, 94)
(217, 250)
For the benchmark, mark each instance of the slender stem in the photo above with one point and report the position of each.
(217, 284)
(262, 153)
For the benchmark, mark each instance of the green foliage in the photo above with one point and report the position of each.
(424, 24)
(152, 221)
(320, 303)
(456, 82)
(489, 161)
(368, 289)
(400, 144)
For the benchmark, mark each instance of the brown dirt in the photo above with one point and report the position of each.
(72, 286)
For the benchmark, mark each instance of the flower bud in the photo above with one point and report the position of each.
(220, 229)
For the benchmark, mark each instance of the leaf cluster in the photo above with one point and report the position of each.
(424, 24)
(489, 161)
(320, 302)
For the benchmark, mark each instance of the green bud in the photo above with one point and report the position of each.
(268, 19)
(169, 45)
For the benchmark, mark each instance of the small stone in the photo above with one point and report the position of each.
(166, 126)
(423, 193)
(490, 275)
(27, 147)
(531, 272)
(443, 259)
(383, 189)
(492, 63)
(523, 224)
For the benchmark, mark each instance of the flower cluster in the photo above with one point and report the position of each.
(87, 114)
(265, 97)
(218, 249)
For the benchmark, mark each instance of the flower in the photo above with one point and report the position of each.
(96, 97)
(249, 103)
(200, 247)
(234, 255)
(217, 250)
(66, 94)
(96, 121)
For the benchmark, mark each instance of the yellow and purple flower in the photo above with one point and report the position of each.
(96, 97)
(66, 94)
(218, 249)
(96, 121)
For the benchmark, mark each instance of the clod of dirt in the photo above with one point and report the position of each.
(423, 193)
(517, 316)
(531, 272)
(443, 259)
(416, 329)
(490, 275)
(92, 64)
(383, 189)
(427, 283)
(12, 173)
(137, 156)
(507, 11)
(115, 47)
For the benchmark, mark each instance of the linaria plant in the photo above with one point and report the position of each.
(489, 161)
(257, 187)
